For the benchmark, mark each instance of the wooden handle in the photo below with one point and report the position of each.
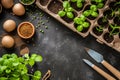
(104, 74)
(111, 68)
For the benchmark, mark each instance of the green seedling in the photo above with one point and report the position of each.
(67, 11)
(87, 13)
(13, 67)
(93, 11)
(81, 23)
(114, 27)
(99, 28)
(104, 19)
(93, 7)
(99, 3)
(79, 3)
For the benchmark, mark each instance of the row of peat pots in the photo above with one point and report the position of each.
(101, 18)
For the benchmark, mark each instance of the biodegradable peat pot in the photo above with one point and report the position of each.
(26, 30)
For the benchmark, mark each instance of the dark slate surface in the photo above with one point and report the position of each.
(62, 50)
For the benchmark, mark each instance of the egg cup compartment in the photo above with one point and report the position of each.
(103, 21)
(97, 30)
(87, 7)
(109, 14)
(69, 20)
(44, 2)
(73, 4)
(55, 6)
(108, 38)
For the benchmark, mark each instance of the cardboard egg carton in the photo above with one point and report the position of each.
(53, 6)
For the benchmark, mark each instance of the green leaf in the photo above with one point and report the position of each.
(70, 9)
(3, 67)
(73, 0)
(1, 61)
(21, 59)
(93, 7)
(86, 24)
(38, 58)
(98, 1)
(80, 28)
(37, 75)
(15, 64)
(80, 0)
(33, 56)
(3, 78)
(7, 70)
(61, 13)
(5, 56)
(82, 17)
(79, 4)
(100, 5)
(25, 77)
(70, 15)
(14, 78)
(13, 55)
(77, 20)
(66, 4)
(94, 14)
(86, 13)
(31, 62)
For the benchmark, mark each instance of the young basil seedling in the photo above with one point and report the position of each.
(68, 10)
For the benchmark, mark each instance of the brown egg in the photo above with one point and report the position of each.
(8, 42)
(9, 25)
(7, 3)
(18, 9)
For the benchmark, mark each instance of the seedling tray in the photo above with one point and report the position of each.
(52, 7)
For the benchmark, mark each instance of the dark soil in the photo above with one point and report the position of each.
(44, 2)
(108, 13)
(114, 6)
(96, 32)
(68, 20)
(87, 7)
(117, 0)
(55, 6)
(102, 22)
(108, 38)
(73, 4)
(91, 17)
(117, 21)
(85, 30)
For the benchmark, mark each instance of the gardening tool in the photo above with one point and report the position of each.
(47, 75)
(99, 58)
(100, 71)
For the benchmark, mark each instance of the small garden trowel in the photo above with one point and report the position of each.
(99, 58)
(100, 71)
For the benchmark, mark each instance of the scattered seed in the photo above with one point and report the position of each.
(46, 27)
